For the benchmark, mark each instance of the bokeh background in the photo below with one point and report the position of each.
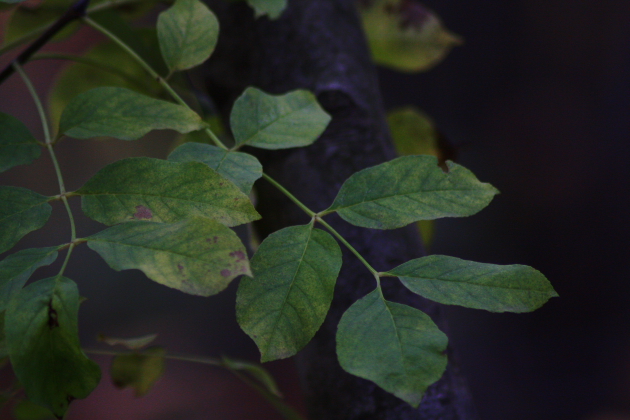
(536, 102)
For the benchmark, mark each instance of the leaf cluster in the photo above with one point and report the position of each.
(172, 218)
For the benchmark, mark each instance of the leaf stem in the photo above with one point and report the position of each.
(53, 157)
(289, 195)
(350, 247)
(161, 80)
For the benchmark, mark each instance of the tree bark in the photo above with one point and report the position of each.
(319, 45)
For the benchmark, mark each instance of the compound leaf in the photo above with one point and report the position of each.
(283, 306)
(17, 268)
(199, 256)
(139, 371)
(405, 36)
(495, 288)
(188, 33)
(43, 343)
(21, 211)
(241, 168)
(162, 191)
(294, 119)
(407, 189)
(396, 346)
(17, 144)
(123, 114)
(271, 8)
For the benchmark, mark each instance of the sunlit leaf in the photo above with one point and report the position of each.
(188, 33)
(123, 114)
(407, 189)
(21, 211)
(294, 119)
(198, 256)
(17, 144)
(42, 338)
(256, 371)
(396, 346)
(496, 288)
(139, 371)
(405, 36)
(17, 268)
(241, 168)
(283, 306)
(163, 191)
(271, 8)
(135, 343)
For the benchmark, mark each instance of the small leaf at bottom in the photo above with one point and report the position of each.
(396, 346)
(139, 371)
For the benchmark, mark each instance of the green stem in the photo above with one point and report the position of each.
(53, 157)
(38, 31)
(285, 410)
(289, 195)
(162, 81)
(350, 247)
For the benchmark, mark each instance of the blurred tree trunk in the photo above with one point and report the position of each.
(319, 45)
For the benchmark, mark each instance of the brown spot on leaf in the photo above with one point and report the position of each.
(142, 212)
(212, 240)
(239, 255)
(180, 267)
(226, 273)
(53, 321)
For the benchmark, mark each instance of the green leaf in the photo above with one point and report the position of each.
(188, 33)
(27, 410)
(495, 288)
(294, 119)
(410, 188)
(396, 346)
(25, 19)
(139, 371)
(42, 338)
(283, 306)
(405, 36)
(241, 168)
(256, 371)
(198, 256)
(4, 352)
(162, 191)
(17, 268)
(21, 211)
(271, 8)
(17, 144)
(123, 114)
(131, 343)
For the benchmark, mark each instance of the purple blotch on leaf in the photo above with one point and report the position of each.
(225, 272)
(143, 212)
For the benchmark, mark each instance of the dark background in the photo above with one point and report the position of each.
(536, 101)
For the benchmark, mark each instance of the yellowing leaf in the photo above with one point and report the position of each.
(139, 371)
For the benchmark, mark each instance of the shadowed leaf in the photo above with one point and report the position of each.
(283, 306)
(131, 343)
(17, 268)
(396, 346)
(258, 372)
(198, 256)
(294, 119)
(495, 288)
(139, 371)
(17, 144)
(21, 211)
(162, 191)
(42, 338)
(123, 114)
(271, 8)
(241, 168)
(188, 33)
(407, 189)
(405, 36)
